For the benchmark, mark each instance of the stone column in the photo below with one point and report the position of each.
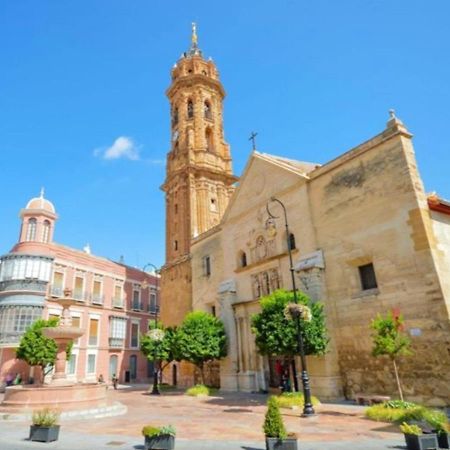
(229, 365)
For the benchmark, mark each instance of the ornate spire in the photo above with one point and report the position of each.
(194, 50)
(194, 38)
(42, 193)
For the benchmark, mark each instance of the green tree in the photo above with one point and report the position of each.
(273, 422)
(38, 350)
(164, 350)
(201, 338)
(390, 339)
(276, 334)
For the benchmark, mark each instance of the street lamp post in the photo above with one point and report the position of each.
(308, 409)
(155, 390)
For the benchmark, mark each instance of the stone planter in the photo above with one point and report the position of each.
(281, 444)
(444, 440)
(163, 442)
(44, 434)
(421, 442)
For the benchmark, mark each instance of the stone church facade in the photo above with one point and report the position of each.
(367, 240)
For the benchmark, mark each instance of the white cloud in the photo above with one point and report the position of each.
(123, 147)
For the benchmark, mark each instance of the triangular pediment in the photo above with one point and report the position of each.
(265, 176)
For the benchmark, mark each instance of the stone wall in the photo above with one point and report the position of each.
(368, 208)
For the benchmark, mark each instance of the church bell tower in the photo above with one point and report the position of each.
(199, 180)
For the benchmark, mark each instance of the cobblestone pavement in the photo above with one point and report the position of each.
(224, 422)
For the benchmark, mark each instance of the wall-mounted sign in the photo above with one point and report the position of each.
(415, 332)
(310, 260)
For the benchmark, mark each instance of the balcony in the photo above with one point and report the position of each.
(153, 309)
(117, 302)
(93, 341)
(136, 306)
(116, 342)
(97, 299)
(56, 291)
(32, 285)
(80, 295)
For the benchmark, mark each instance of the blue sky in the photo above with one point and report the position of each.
(313, 78)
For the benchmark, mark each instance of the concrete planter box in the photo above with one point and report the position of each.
(281, 444)
(444, 440)
(44, 434)
(163, 442)
(421, 442)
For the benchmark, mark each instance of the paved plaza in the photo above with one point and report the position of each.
(224, 422)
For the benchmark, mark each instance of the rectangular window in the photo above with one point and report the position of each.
(152, 305)
(134, 335)
(367, 276)
(72, 364)
(118, 299)
(76, 322)
(207, 265)
(93, 331)
(117, 331)
(136, 304)
(97, 292)
(91, 363)
(14, 320)
(78, 289)
(58, 278)
(58, 284)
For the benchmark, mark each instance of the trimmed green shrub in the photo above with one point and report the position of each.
(400, 404)
(198, 389)
(45, 418)
(406, 428)
(385, 413)
(273, 423)
(152, 431)
(290, 399)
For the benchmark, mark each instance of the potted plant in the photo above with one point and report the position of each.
(415, 440)
(443, 434)
(276, 436)
(44, 426)
(159, 438)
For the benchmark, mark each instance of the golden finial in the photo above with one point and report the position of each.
(194, 34)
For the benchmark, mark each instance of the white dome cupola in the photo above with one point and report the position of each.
(38, 220)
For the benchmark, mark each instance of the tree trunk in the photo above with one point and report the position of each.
(202, 375)
(400, 392)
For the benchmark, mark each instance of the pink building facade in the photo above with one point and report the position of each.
(115, 302)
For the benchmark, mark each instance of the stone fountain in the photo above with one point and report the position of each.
(71, 398)
(63, 335)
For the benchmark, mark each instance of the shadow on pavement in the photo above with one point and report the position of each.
(139, 447)
(388, 428)
(251, 448)
(246, 400)
(237, 410)
(337, 413)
